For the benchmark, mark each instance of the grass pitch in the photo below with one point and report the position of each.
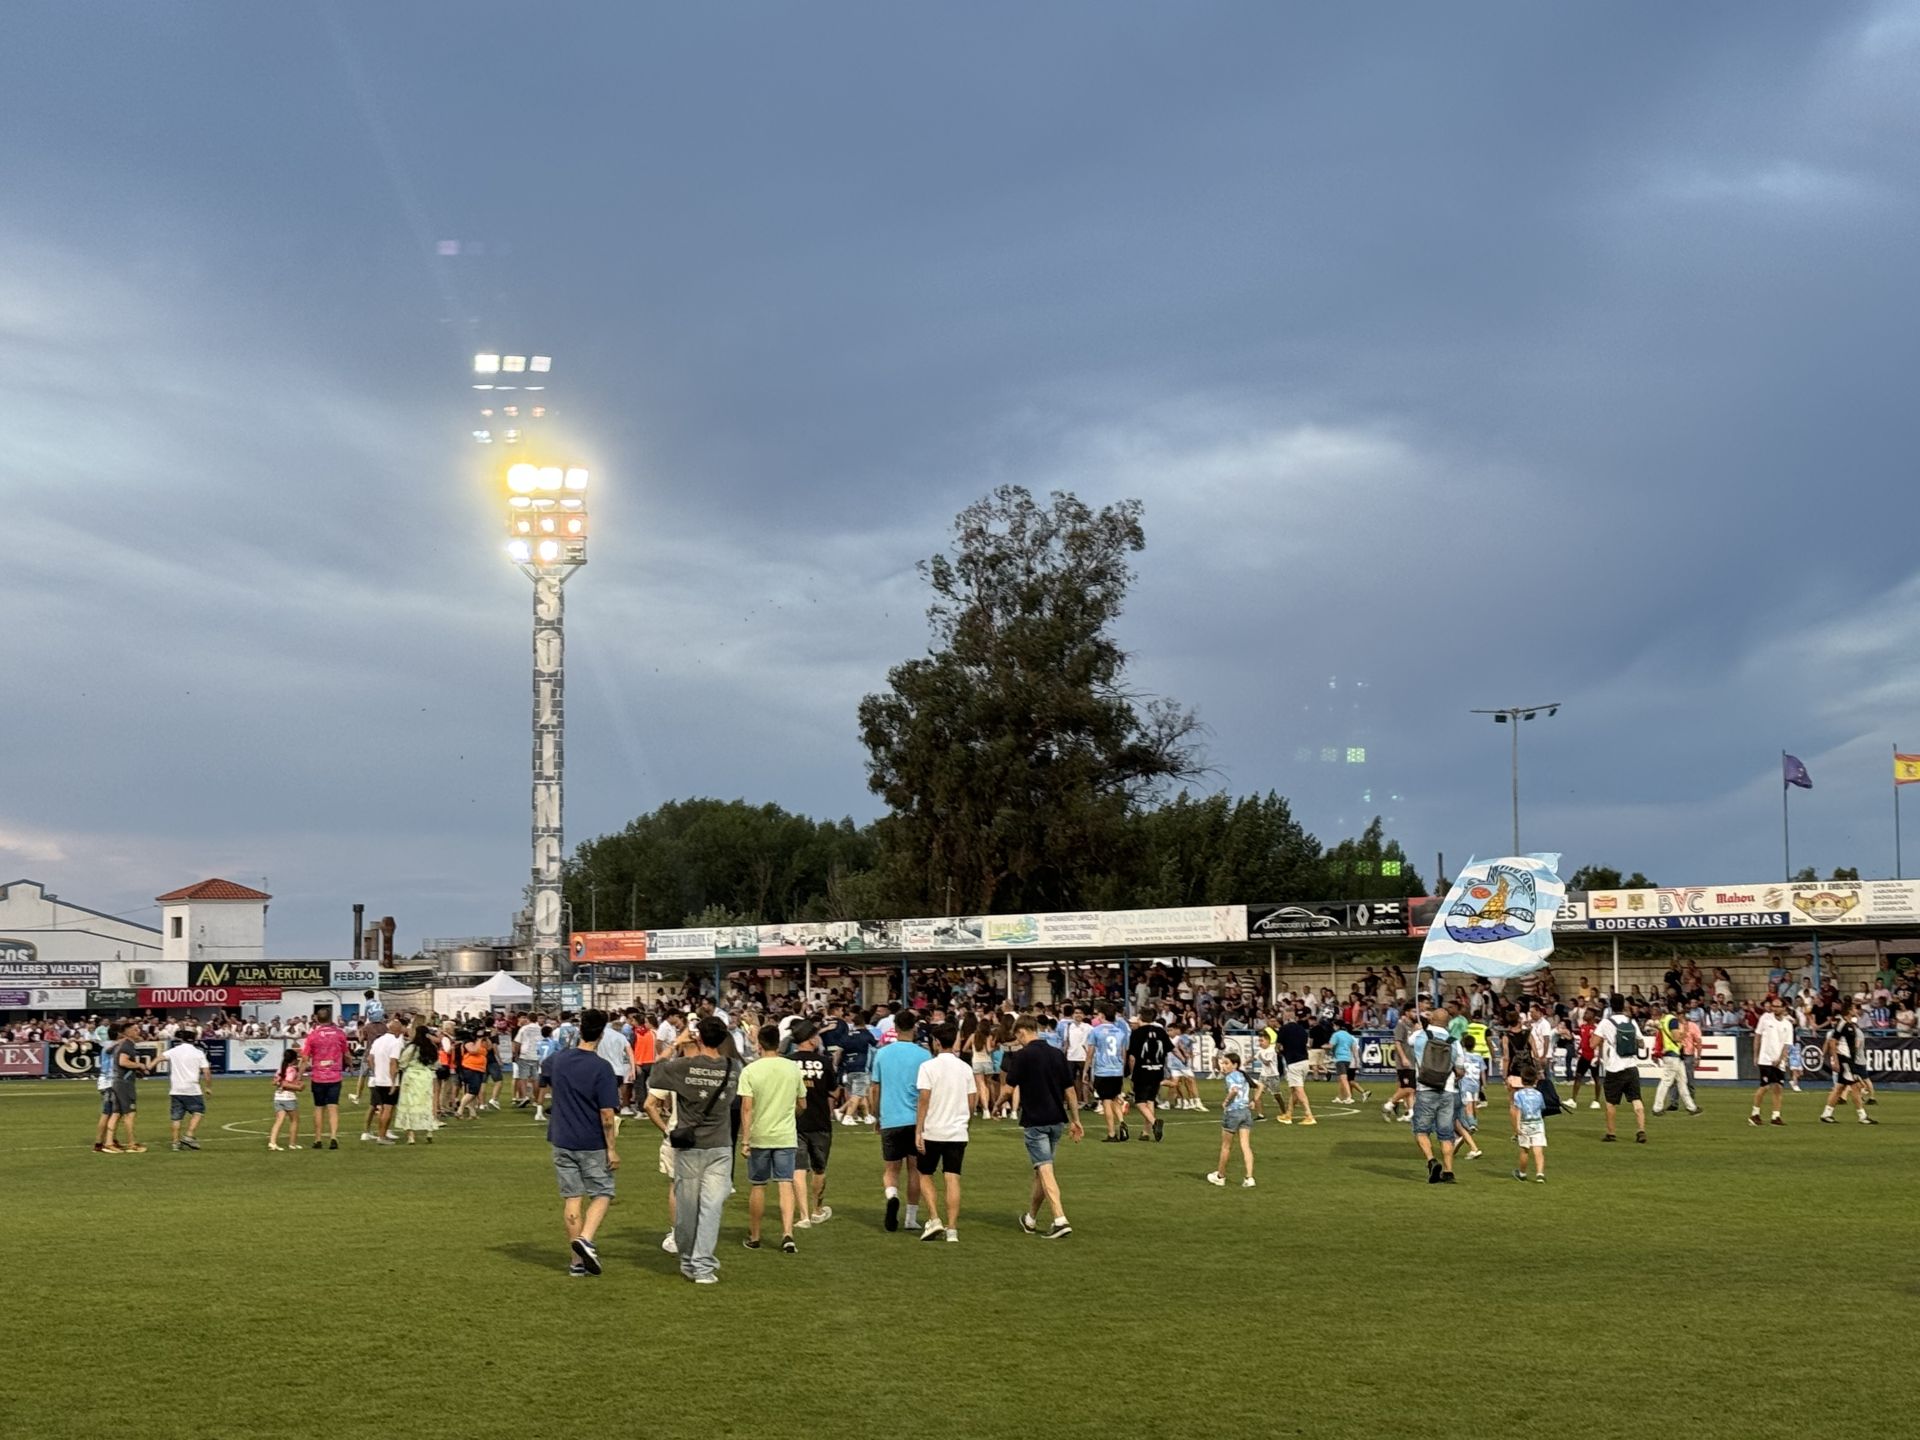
(1759, 1282)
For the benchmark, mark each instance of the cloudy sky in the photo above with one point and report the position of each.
(1464, 355)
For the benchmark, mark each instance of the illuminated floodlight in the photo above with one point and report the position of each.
(576, 479)
(550, 477)
(541, 364)
(548, 525)
(523, 479)
(549, 551)
(485, 437)
(512, 409)
(571, 502)
(542, 502)
(523, 527)
(486, 363)
(483, 387)
(513, 364)
(538, 410)
(576, 525)
(519, 551)
(536, 387)
(511, 436)
(520, 502)
(487, 411)
(505, 387)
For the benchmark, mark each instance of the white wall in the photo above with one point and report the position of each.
(215, 930)
(60, 931)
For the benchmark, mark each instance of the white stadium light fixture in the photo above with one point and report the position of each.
(513, 364)
(541, 364)
(542, 502)
(576, 479)
(523, 527)
(571, 502)
(549, 551)
(486, 363)
(550, 477)
(519, 551)
(547, 525)
(520, 502)
(523, 479)
(483, 387)
(576, 525)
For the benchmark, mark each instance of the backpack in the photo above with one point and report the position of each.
(1436, 1063)
(1626, 1038)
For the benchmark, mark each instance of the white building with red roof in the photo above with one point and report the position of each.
(213, 920)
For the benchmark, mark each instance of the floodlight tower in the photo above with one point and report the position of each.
(547, 539)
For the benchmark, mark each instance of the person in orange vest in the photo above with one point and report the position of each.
(474, 1050)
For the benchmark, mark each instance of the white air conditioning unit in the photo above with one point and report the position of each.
(139, 975)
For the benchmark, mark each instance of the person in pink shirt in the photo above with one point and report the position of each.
(323, 1054)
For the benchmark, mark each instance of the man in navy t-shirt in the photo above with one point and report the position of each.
(582, 1120)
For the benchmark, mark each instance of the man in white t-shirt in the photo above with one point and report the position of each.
(1619, 1043)
(940, 1128)
(1772, 1042)
(1078, 1032)
(187, 1068)
(526, 1062)
(383, 1066)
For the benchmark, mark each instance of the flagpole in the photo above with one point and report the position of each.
(1896, 812)
(1786, 834)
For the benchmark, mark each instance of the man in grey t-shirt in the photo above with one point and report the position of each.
(1403, 1032)
(703, 1084)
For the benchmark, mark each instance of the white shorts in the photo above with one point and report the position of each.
(1297, 1075)
(666, 1158)
(1533, 1139)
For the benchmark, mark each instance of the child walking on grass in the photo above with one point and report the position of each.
(286, 1101)
(1529, 1111)
(1236, 1118)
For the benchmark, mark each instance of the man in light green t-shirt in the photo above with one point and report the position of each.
(771, 1093)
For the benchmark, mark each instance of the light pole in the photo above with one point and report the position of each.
(547, 539)
(1511, 717)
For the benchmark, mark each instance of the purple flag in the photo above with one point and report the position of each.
(1793, 772)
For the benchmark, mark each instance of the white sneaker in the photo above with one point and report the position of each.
(1796, 1087)
(627, 1112)
(848, 1120)
(805, 1222)
(668, 1244)
(822, 1215)
(953, 1237)
(868, 1119)
(1214, 1177)
(1200, 1107)
(493, 1104)
(538, 1113)
(1247, 1184)
(932, 1230)
(367, 1135)
(272, 1146)
(1593, 1105)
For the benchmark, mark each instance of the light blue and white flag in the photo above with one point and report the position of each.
(1497, 921)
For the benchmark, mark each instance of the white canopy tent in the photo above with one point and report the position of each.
(500, 991)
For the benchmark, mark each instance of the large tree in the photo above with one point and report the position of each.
(1013, 754)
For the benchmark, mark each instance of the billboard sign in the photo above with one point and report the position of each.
(195, 997)
(609, 947)
(272, 974)
(20, 965)
(1327, 918)
(18, 1061)
(1697, 907)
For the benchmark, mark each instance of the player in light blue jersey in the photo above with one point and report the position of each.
(1473, 1071)
(1528, 1107)
(1107, 1047)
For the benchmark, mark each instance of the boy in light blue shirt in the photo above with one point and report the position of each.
(1529, 1110)
(1236, 1118)
(896, 1076)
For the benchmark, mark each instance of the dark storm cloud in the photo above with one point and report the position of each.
(1463, 355)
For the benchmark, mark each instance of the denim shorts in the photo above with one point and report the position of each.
(1434, 1113)
(1042, 1142)
(1236, 1119)
(181, 1106)
(859, 1085)
(765, 1165)
(583, 1172)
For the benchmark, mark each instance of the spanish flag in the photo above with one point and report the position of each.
(1906, 769)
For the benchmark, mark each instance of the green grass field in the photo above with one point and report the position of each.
(1761, 1280)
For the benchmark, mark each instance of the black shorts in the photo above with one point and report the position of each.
(1772, 1075)
(385, 1095)
(1845, 1072)
(897, 1143)
(815, 1146)
(326, 1092)
(1584, 1067)
(1146, 1086)
(1107, 1087)
(1621, 1085)
(1404, 1079)
(470, 1081)
(944, 1155)
(1079, 1070)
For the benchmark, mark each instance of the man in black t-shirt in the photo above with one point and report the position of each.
(1040, 1074)
(1147, 1050)
(815, 1121)
(1293, 1044)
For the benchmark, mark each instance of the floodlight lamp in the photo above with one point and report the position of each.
(549, 551)
(523, 479)
(571, 502)
(483, 436)
(1500, 719)
(511, 436)
(483, 387)
(576, 525)
(538, 410)
(536, 387)
(523, 527)
(542, 502)
(547, 525)
(550, 477)
(520, 502)
(1552, 710)
(513, 364)
(541, 364)
(486, 363)
(519, 551)
(576, 479)
(512, 410)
